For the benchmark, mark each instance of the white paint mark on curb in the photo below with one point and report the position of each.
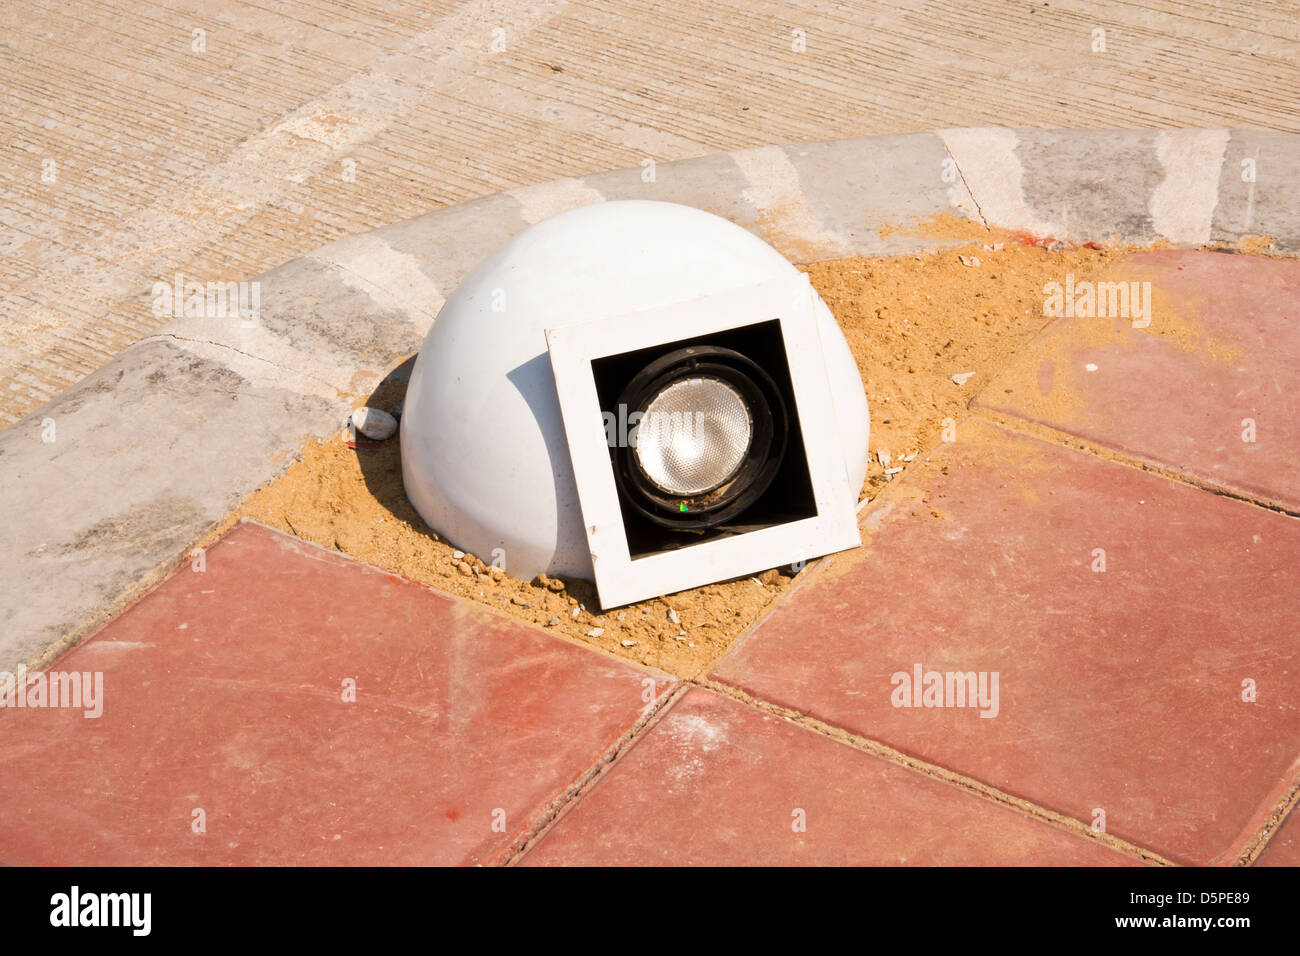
(393, 280)
(991, 169)
(547, 199)
(775, 191)
(1182, 206)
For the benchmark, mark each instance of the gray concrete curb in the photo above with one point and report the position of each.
(109, 485)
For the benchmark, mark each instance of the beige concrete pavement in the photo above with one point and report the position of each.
(218, 139)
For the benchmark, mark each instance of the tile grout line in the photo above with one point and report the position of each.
(543, 822)
(1281, 812)
(969, 785)
(1252, 849)
(973, 786)
(1059, 437)
(526, 837)
(549, 816)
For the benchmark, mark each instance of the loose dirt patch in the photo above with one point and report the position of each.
(912, 323)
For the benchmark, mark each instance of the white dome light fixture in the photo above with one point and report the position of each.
(698, 416)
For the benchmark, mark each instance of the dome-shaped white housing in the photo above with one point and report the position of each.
(484, 457)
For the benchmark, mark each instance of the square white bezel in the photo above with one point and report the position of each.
(622, 579)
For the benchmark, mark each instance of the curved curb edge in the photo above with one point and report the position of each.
(154, 449)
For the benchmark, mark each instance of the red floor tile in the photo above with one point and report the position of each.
(1284, 848)
(1119, 691)
(1223, 346)
(223, 691)
(716, 782)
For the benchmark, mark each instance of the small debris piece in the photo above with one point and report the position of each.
(673, 616)
(969, 260)
(576, 611)
(374, 423)
(596, 632)
(544, 580)
(883, 456)
(552, 621)
(961, 378)
(628, 643)
(458, 555)
(892, 471)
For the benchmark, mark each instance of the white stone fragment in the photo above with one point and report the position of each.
(374, 423)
